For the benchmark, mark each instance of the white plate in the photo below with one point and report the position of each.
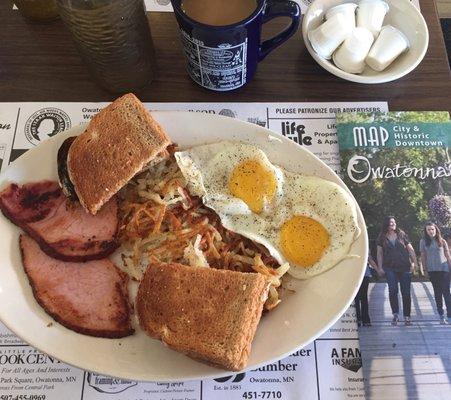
(300, 318)
(402, 14)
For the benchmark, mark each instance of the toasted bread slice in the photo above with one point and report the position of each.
(206, 313)
(118, 142)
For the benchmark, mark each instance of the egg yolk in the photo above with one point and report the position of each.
(254, 183)
(303, 240)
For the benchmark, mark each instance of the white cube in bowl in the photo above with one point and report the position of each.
(371, 15)
(350, 57)
(347, 10)
(329, 35)
(390, 43)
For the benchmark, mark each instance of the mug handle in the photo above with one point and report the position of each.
(273, 9)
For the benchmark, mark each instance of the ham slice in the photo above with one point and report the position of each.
(63, 229)
(89, 298)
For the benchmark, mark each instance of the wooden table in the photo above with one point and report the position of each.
(40, 63)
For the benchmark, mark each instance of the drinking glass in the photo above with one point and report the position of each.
(114, 40)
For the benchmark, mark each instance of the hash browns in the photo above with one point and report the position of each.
(161, 222)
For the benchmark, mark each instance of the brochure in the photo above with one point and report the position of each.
(398, 167)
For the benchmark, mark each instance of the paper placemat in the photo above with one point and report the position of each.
(327, 369)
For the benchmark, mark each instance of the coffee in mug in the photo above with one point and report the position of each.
(218, 12)
(222, 38)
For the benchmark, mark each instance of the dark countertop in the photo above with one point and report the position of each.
(40, 63)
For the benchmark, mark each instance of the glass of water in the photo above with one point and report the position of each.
(114, 40)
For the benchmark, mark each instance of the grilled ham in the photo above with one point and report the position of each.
(62, 228)
(89, 298)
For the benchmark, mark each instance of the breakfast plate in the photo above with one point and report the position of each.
(304, 314)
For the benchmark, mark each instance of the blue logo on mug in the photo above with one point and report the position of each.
(225, 58)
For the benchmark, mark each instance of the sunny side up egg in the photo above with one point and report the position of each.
(304, 220)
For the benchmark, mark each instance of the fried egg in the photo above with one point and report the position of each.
(306, 221)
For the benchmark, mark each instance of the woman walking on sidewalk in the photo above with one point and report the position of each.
(396, 256)
(435, 256)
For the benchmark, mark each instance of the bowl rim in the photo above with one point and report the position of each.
(375, 79)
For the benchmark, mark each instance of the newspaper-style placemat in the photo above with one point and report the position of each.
(165, 5)
(327, 369)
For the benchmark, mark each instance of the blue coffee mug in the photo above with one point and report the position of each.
(225, 58)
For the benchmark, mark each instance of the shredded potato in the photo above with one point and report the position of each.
(194, 255)
(161, 221)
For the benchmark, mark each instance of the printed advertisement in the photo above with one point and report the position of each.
(320, 370)
(310, 124)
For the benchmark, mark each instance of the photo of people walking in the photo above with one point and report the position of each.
(403, 305)
(397, 262)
